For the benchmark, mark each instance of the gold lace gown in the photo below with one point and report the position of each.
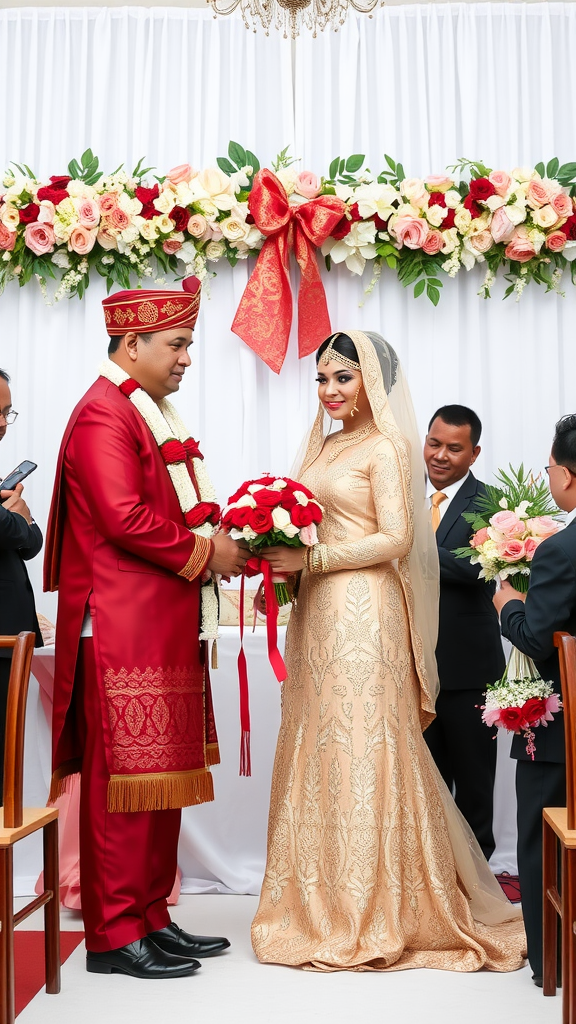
(361, 871)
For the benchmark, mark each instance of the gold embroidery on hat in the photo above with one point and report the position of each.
(147, 312)
(169, 308)
(107, 316)
(123, 317)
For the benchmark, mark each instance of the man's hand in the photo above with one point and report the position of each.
(14, 502)
(285, 559)
(505, 594)
(229, 558)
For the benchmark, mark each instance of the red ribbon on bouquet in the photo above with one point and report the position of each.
(264, 316)
(259, 565)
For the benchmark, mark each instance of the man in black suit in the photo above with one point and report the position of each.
(530, 621)
(20, 540)
(469, 651)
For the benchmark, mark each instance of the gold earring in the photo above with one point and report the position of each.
(355, 407)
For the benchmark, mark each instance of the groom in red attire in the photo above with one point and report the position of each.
(132, 702)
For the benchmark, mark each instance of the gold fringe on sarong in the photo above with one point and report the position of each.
(212, 753)
(159, 792)
(61, 781)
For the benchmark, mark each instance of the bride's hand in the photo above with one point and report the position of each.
(284, 559)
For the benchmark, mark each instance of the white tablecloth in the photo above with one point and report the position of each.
(223, 844)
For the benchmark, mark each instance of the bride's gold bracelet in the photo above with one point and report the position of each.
(316, 559)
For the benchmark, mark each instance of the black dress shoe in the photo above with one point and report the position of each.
(537, 979)
(141, 959)
(173, 940)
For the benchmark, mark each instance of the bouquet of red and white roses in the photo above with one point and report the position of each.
(272, 511)
(511, 522)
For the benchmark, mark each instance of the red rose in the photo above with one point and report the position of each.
(512, 718)
(29, 214)
(147, 195)
(203, 512)
(295, 486)
(534, 709)
(474, 208)
(238, 517)
(54, 195)
(355, 212)
(250, 218)
(288, 501)
(342, 228)
(437, 199)
(260, 520)
(302, 515)
(448, 221)
(316, 511)
(180, 216)
(60, 180)
(267, 498)
(569, 228)
(381, 225)
(481, 188)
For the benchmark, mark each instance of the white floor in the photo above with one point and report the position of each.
(236, 989)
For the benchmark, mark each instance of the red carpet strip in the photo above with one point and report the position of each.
(29, 962)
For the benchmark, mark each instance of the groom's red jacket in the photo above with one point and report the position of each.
(117, 543)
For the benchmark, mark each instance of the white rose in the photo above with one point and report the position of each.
(166, 201)
(495, 202)
(248, 534)
(148, 230)
(414, 190)
(130, 206)
(452, 198)
(524, 174)
(130, 234)
(537, 238)
(450, 237)
(164, 224)
(280, 517)
(301, 498)
(9, 216)
(516, 213)
(435, 215)
(233, 228)
(215, 250)
(80, 190)
(288, 177)
(208, 209)
(245, 500)
(545, 217)
(290, 530)
(278, 485)
(463, 219)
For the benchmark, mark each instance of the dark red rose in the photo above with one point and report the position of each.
(203, 512)
(148, 211)
(264, 481)
(299, 487)
(512, 718)
(355, 212)
(437, 199)
(302, 515)
(534, 709)
(380, 224)
(147, 195)
(29, 214)
(238, 517)
(474, 208)
(481, 188)
(288, 500)
(54, 195)
(448, 221)
(569, 228)
(316, 512)
(180, 216)
(250, 218)
(260, 520)
(60, 180)
(342, 228)
(267, 498)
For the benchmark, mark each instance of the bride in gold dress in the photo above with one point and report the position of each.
(370, 864)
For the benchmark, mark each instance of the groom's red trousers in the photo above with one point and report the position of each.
(127, 861)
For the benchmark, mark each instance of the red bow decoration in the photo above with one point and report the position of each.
(264, 316)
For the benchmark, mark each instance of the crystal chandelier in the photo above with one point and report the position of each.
(291, 15)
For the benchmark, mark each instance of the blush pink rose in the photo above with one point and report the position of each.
(556, 241)
(542, 526)
(82, 240)
(46, 212)
(501, 181)
(520, 247)
(7, 238)
(215, 233)
(561, 204)
(183, 172)
(512, 551)
(537, 194)
(309, 534)
(410, 231)
(530, 545)
(106, 239)
(108, 202)
(307, 185)
(479, 538)
(481, 241)
(39, 238)
(438, 183)
(88, 213)
(507, 523)
(433, 243)
(117, 219)
(501, 226)
(171, 245)
(197, 225)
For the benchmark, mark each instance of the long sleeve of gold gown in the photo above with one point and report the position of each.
(369, 865)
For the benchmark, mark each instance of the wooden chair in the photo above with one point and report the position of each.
(15, 824)
(559, 838)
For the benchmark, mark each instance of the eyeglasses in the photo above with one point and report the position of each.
(558, 465)
(9, 417)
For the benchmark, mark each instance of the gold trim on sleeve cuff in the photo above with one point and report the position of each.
(198, 559)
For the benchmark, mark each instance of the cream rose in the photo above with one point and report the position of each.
(81, 240)
(164, 224)
(462, 220)
(9, 216)
(166, 201)
(452, 198)
(450, 240)
(501, 226)
(414, 190)
(215, 250)
(438, 183)
(197, 225)
(148, 230)
(481, 241)
(183, 172)
(233, 228)
(106, 239)
(545, 217)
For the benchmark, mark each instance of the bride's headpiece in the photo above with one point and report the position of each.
(330, 353)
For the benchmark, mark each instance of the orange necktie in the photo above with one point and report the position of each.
(437, 498)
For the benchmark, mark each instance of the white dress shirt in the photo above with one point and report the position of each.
(450, 491)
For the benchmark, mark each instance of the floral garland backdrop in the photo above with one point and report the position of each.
(129, 227)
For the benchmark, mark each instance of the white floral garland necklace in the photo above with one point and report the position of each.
(171, 436)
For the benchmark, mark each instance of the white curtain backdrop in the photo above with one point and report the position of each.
(424, 83)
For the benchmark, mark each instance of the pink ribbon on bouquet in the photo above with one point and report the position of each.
(275, 658)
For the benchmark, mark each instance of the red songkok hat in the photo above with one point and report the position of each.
(146, 311)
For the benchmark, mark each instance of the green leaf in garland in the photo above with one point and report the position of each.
(74, 169)
(541, 169)
(87, 158)
(433, 294)
(333, 170)
(419, 288)
(354, 162)
(390, 162)
(237, 154)
(253, 161)
(400, 172)
(341, 167)
(225, 165)
(552, 168)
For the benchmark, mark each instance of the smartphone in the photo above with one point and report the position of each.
(17, 475)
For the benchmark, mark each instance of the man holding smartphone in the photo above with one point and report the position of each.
(20, 540)
(129, 544)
